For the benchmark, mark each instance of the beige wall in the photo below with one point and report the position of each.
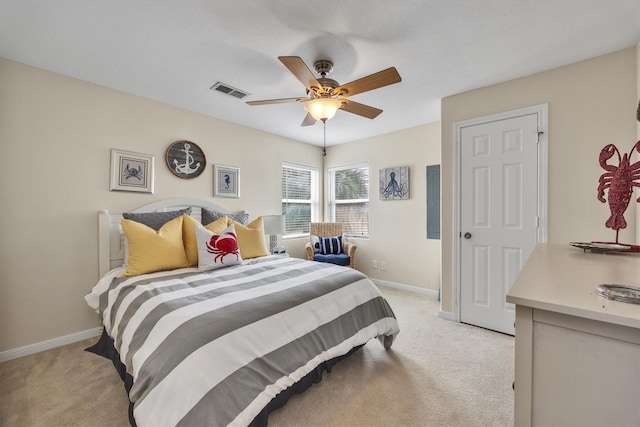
(56, 134)
(591, 104)
(398, 228)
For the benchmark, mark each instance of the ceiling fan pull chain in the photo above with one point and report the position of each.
(324, 143)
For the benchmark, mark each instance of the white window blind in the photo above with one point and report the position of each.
(349, 198)
(299, 197)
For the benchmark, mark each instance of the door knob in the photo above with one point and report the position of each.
(467, 235)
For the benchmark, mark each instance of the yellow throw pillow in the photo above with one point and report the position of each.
(219, 224)
(251, 239)
(151, 250)
(189, 225)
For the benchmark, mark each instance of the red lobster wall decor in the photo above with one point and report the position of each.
(619, 180)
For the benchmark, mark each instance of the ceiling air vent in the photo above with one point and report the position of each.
(229, 90)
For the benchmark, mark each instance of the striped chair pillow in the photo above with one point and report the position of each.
(331, 245)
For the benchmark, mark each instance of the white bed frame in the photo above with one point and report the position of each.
(111, 237)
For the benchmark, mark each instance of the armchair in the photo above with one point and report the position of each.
(330, 229)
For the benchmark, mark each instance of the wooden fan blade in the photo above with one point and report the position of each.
(373, 81)
(298, 68)
(277, 101)
(360, 109)
(308, 120)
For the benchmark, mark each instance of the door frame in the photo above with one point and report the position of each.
(542, 110)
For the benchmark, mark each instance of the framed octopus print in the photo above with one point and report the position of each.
(394, 183)
(132, 171)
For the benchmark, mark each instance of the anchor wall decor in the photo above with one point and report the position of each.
(185, 159)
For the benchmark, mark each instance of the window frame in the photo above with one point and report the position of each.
(314, 199)
(331, 196)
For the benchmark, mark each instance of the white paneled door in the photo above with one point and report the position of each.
(498, 216)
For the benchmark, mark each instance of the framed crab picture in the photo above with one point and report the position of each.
(131, 171)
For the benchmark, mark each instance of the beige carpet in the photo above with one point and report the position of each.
(439, 373)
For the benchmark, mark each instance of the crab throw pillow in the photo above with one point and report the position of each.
(217, 250)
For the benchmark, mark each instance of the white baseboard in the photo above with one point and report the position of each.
(446, 315)
(49, 344)
(430, 292)
(414, 289)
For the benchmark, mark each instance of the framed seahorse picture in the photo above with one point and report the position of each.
(132, 171)
(394, 183)
(226, 181)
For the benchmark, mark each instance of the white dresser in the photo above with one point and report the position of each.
(577, 353)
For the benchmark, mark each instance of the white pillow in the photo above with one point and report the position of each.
(316, 243)
(217, 250)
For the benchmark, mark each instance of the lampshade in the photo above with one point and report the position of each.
(273, 224)
(323, 108)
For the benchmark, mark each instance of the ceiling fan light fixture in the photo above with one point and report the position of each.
(323, 108)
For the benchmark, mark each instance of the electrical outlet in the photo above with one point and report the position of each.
(383, 265)
(374, 264)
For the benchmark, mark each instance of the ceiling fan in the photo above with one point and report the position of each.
(325, 96)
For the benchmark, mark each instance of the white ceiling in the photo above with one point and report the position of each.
(173, 51)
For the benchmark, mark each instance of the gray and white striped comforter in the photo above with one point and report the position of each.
(213, 348)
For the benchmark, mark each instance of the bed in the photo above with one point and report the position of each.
(229, 344)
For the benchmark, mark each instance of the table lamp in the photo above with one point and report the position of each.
(274, 225)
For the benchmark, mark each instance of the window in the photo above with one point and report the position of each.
(299, 198)
(349, 198)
